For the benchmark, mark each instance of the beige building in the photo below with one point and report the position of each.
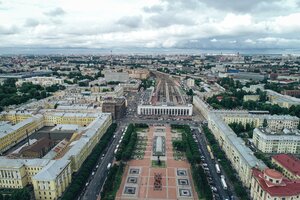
(289, 164)
(41, 80)
(190, 82)
(275, 122)
(240, 156)
(251, 97)
(138, 73)
(286, 141)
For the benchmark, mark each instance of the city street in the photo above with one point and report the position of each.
(202, 144)
(96, 182)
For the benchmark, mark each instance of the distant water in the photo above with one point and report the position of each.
(141, 51)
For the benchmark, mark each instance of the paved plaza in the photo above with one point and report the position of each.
(139, 176)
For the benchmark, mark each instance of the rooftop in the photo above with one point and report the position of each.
(290, 162)
(52, 170)
(285, 189)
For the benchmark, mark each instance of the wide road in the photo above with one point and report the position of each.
(202, 144)
(96, 182)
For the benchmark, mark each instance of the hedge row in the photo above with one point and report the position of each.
(127, 145)
(79, 180)
(112, 182)
(193, 156)
(14, 194)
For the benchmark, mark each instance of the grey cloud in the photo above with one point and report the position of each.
(153, 9)
(236, 5)
(55, 12)
(168, 19)
(31, 22)
(8, 30)
(130, 21)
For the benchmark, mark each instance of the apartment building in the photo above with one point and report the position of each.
(51, 177)
(11, 134)
(286, 141)
(272, 185)
(240, 156)
(52, 180)
(275, 122)
(289, 164)
(41, 80)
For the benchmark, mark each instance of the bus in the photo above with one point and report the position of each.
(210, 152)
(218, 168)
(223, 182)
(109, 165)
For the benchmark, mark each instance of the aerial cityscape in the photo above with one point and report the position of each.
(150, 100)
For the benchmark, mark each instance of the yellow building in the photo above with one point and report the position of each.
(289, 165)
(49, 177)
(82, 119)
(52, 180)
(12, 134)
(12, 173)
(82, 148)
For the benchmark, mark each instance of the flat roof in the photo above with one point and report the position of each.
(52, 170)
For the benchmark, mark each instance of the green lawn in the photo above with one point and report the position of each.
(155, 165)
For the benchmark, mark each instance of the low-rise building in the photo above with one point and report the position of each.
(251, 97)
(111, 76)
(286, 141)
(282, 100)
(138, 73)
(289, 164)
(190, 82)
(41, 80)
(115, 106)
(293, 93)
(271, 184)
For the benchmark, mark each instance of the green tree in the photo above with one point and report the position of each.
(265, 123)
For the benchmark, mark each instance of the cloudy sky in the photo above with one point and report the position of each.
(206, 24)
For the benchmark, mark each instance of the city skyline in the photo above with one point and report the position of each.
(151, 26)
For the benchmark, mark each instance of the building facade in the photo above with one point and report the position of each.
(276, 142)
(272, 185)
(51, 175)
(289, 164)
(165, 110)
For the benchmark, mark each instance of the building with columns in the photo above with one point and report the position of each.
(180, 110)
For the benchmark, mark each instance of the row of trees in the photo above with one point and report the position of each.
(11, 95)
(127, 145)
(241, 130)
(113, 182)
(226, 165)
(275, 109)
(79, 180)
(15, 194)
(146, 83)
(190, 147)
